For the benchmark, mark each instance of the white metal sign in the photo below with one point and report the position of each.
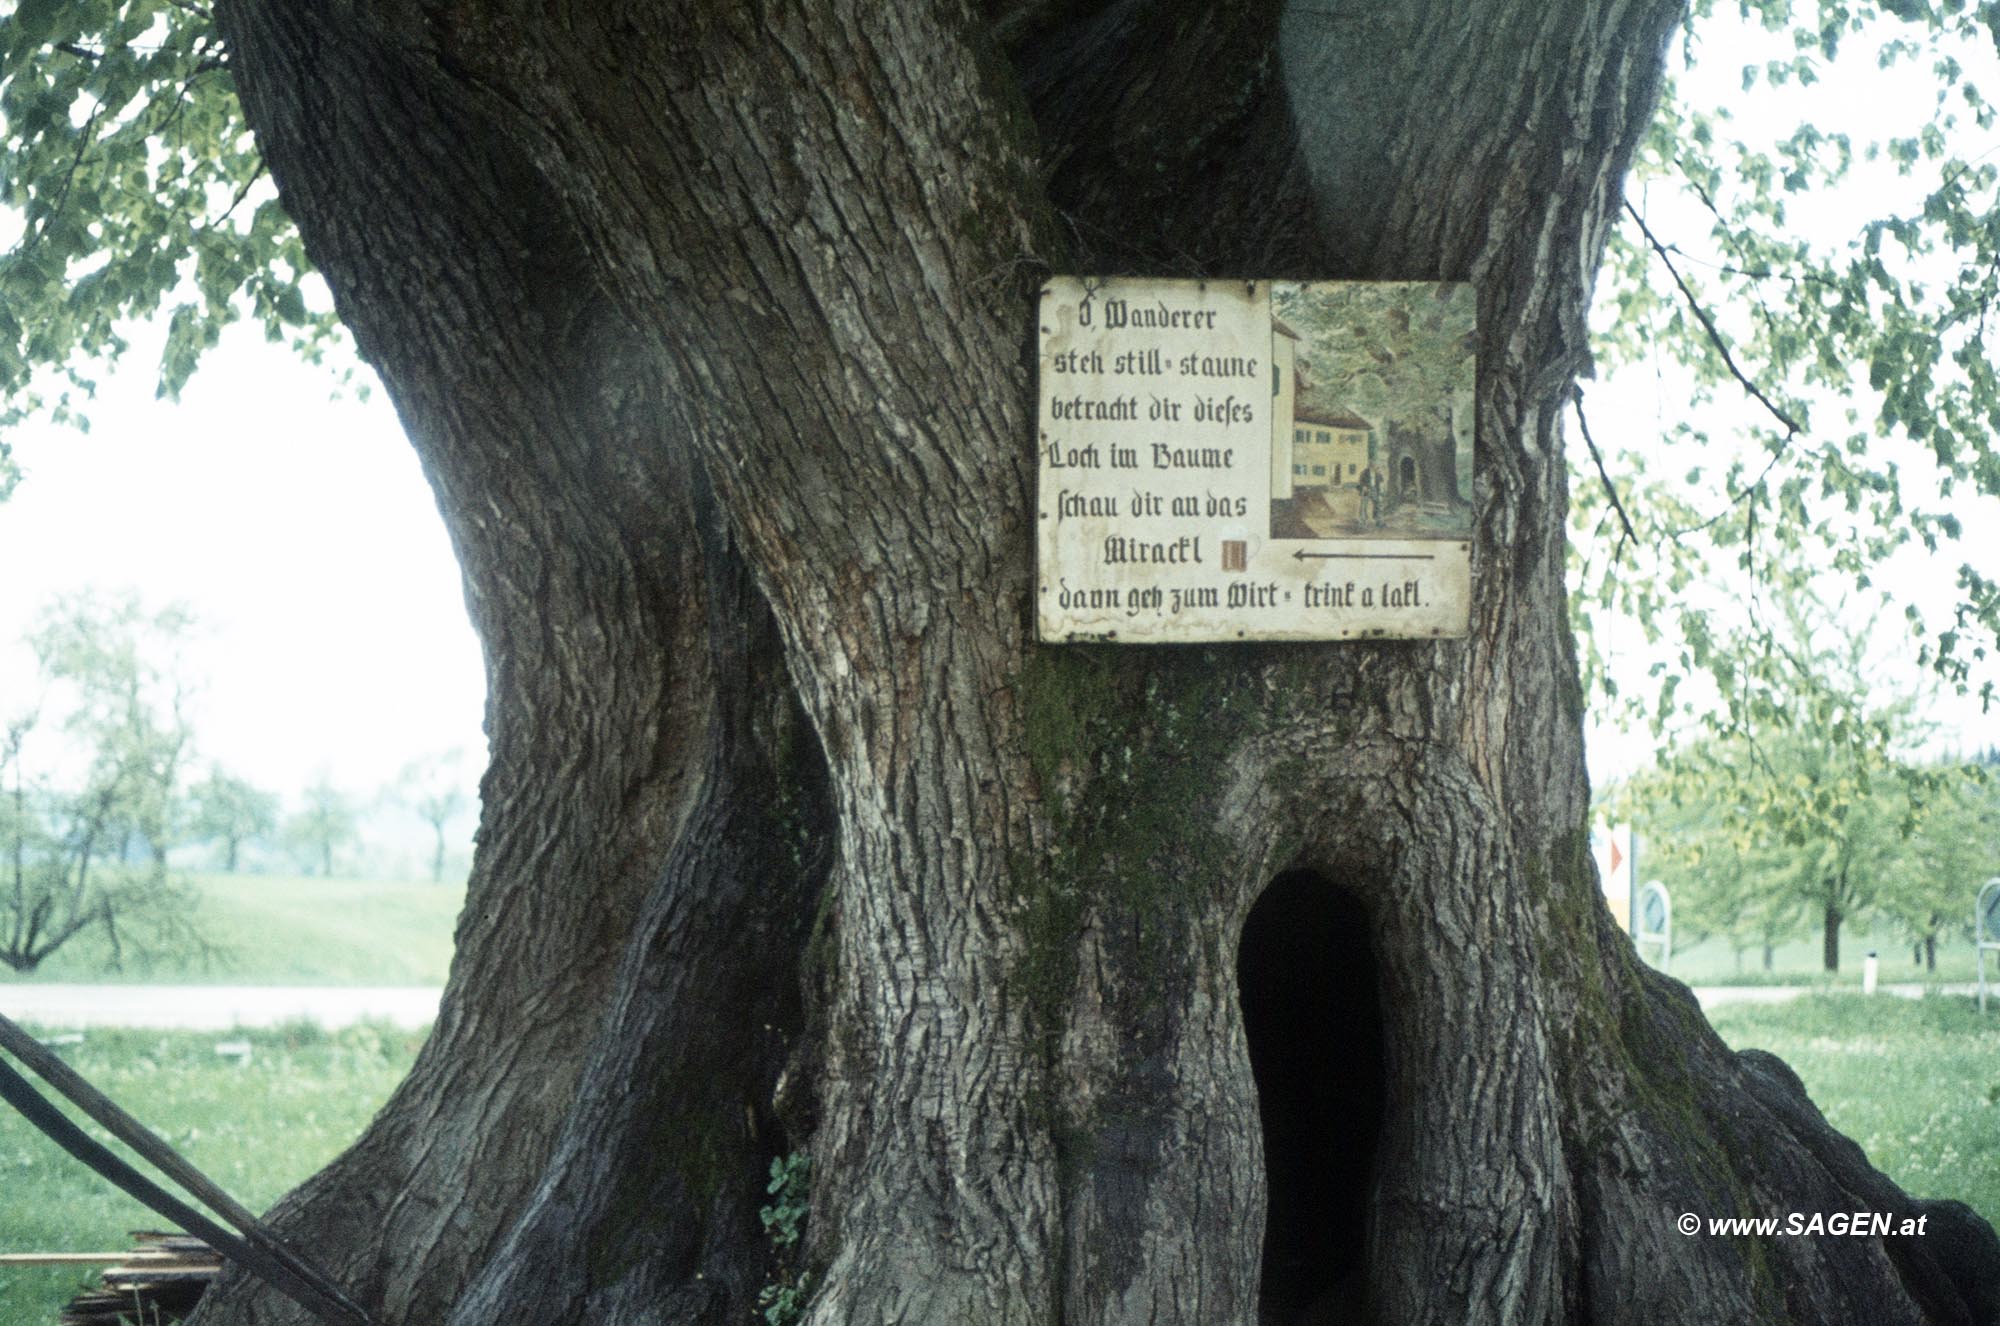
(1656, 923)
(1986, 929)
(1230, 460)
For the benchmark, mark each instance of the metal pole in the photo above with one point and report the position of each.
(1632, 889)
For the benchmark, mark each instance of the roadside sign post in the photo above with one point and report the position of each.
(1986, 929)
(1612, 847)
(1656, 922)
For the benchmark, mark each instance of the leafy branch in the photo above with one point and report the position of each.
(1715, 337)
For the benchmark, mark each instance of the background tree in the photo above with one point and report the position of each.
(1691, 840)
(710, 325)
(118, 667)
(94, 763)
(326, 821)
(1408, 367)
(1948, 855)
(434, 788)
(225, 808)
(1814, 799)
(1909, 848)
(1839, 830)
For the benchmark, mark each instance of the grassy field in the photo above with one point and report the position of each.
(1915, 1082)
(294, 930)
(1797, 962)
(256, 1127)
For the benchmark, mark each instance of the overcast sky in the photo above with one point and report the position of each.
(1642, 404)
(302, 532)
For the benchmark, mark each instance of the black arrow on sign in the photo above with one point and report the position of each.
(1302, 554)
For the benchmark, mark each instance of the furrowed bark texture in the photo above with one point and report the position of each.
(650, 782)
(711, 324)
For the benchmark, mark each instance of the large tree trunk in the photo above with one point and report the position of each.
(712, 328)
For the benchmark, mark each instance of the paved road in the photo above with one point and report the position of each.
(1711, 995)
(215, 1007)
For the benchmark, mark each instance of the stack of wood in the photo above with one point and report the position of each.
(157, 1283)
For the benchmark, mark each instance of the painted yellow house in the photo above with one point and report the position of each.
(1329, 448)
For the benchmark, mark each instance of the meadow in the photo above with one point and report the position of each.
(255, 1125)
(1797, 961)
(290, 930)
(1915, 1082)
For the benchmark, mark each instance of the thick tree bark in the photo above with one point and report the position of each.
(711, 326)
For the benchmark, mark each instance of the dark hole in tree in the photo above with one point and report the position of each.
(1306, 970)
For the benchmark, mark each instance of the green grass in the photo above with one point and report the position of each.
(1797, 962)
(257, 1128)
(293, 930)
(1915, 1081)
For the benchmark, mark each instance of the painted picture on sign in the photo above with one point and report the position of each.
(1371, 430)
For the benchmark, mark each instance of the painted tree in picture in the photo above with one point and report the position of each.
(1400, 355)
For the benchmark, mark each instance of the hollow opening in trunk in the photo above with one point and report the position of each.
(1306, 971)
